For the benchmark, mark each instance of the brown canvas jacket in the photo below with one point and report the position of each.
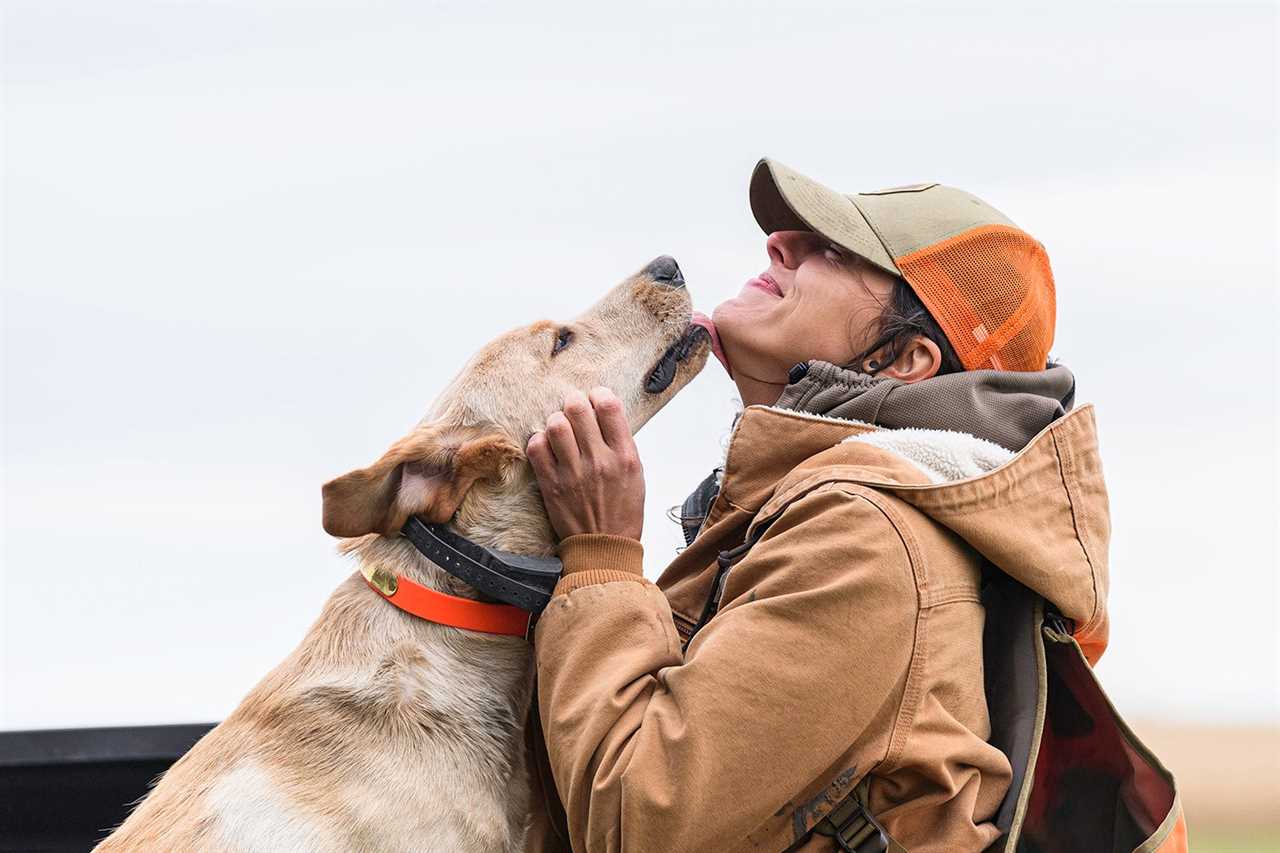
(848, 642)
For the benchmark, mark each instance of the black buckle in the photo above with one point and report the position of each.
(853, 829)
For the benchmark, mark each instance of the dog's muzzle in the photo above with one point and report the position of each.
(664, 270)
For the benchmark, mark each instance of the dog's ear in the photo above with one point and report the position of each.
(426, 473)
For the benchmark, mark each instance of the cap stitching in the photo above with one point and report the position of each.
(874, 230)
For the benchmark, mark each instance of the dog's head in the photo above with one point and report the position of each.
(639, 340)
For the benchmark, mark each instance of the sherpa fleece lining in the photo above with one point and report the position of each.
(942, 455)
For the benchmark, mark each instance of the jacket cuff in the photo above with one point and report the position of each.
(595, 558)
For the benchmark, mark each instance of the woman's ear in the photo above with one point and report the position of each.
(920, 359)
(426, 473)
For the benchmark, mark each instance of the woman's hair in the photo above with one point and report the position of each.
(904, 316)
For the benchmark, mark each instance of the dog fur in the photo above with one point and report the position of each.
(382, 731)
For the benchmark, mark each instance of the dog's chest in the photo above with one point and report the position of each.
(415, 750)
(383, 801)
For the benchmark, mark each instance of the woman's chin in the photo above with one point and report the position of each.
(736, 317)
(739, 328)
(725, 318)
(740, 309)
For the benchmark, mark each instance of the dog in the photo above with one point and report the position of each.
(383, 731)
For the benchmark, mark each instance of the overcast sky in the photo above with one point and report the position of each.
(246, 244)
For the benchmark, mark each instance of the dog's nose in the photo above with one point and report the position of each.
(665, 270)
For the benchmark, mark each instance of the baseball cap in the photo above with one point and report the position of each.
(986, 281)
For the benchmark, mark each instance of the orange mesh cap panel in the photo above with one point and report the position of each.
(991, 290)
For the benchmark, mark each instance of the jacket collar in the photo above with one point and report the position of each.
(1008, 408)
(768, 442)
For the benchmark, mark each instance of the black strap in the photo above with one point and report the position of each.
(725, 561)
(516, 579)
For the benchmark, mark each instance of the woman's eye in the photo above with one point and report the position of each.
(835, 253)
(562, 340)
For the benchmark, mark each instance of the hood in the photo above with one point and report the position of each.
(1040, 515)
(1043, 523)
(946, 446)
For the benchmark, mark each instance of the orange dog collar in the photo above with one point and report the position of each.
(425, 603)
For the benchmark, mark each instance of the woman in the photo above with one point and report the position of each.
(819, 644)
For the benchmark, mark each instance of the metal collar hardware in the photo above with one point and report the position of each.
(380, 579)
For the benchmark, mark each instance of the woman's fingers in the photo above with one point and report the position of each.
(588, 470)
(559, 433)
(582, 419)
(542, 460)
(611, 418)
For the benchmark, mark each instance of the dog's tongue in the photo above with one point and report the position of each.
(700, 319)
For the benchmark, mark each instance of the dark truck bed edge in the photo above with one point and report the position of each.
(65, 789)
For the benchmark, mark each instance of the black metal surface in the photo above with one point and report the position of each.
(64, 789)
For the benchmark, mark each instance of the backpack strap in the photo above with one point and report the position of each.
(695, 507)
(725, 561)
(851, 827)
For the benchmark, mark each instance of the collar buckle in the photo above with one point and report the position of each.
(381, 579)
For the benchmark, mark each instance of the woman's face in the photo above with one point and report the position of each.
(815, 301)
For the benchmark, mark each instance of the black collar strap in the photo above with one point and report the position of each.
(525, 582)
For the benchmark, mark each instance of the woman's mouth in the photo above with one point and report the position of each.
(767, 284)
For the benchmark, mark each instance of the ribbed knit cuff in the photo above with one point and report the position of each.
(594, 558)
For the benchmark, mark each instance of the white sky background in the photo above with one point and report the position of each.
(244, 248)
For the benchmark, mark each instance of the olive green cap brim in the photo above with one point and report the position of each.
(882, 226)
(782, 199)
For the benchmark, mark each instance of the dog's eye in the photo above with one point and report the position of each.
(562, 340)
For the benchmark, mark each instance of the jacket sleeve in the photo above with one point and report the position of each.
(655, 750)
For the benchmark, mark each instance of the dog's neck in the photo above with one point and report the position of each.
(509, 518)
(368, 645)
(398, 675)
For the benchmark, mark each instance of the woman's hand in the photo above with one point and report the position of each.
(588, 468)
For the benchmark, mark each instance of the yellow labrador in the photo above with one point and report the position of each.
(383, 731)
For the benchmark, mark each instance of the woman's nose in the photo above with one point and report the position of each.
(787, 247)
